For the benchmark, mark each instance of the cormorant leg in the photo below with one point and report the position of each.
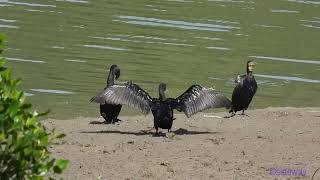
(170, 134)
(232, 114)
(243, 114)
(115, 120)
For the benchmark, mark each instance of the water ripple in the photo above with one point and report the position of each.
(216, 78)
(310, 21)
(283, 11)
(34, 10)
(29, 4)
(4, 5)
(268, 26)
(8, 20)
(304, 2)
(219, 21)
(232, 1)
(24, 60)
(286, 59)
(57, 47)
(136, 41)
(310, 26)
(177, 24)
(185, 1)
(75, 60)
(268, 83)
(75, 1)
(105, 47)
(219, 48)
(54, 91)
(209, 38)
(8, 26)
(288, 78)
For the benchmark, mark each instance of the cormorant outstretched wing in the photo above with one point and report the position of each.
(198, 98)
(129, 94)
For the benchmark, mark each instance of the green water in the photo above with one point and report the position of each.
(69, 46)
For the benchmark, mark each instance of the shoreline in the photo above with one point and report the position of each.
(201, 147)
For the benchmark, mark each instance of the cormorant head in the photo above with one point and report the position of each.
(162, 87)
(250, 65)
(115, 70)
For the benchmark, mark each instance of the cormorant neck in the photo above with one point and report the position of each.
(249, 72)
(111, 79)
(162, 95)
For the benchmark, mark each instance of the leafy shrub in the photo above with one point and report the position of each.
(24, 140)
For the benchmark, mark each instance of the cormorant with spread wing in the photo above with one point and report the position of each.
(193, 100)
(108, 111)
(244, 91)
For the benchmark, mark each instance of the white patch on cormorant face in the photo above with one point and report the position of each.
(251, 66)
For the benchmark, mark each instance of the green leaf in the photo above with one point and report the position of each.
(6, 75)
(2, 62)
(1, 136)
(61, 164)
(44, 141)
(36, 178)
(27, 151)
(26, 106)
(2, 37)
(2, 69)
(13, 108)
(24, 150)
(31, 122)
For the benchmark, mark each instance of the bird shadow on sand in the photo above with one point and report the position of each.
(179, 131)
(106, 122)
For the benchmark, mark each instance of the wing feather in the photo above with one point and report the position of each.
(129, 94)
(198, 98)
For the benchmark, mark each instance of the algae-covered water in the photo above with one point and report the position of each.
(62, 49)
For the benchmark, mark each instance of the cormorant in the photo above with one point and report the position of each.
(244, 91)
(108, 111)
(193, 100)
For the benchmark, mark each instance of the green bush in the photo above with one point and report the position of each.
(24, 140)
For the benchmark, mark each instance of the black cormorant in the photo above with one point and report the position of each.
(244, 91)
(108, 111)
(193, 100)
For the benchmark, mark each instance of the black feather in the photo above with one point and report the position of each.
(244, 91)
(197, 98)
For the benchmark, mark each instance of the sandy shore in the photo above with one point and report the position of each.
(202, 147)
